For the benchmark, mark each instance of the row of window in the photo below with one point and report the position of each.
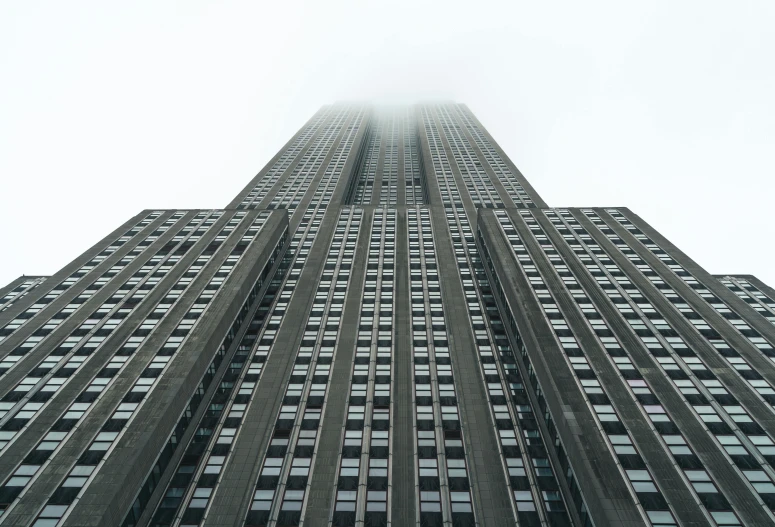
(524, 501)
(478, 183)
(539, 475)
(414, 179)
(293, 190)
(267, 182)
(77, 410)
(367, 172)
(752, 295)
(507, 178)
(722, 308)
(93, 457)
(480, 187)
(672, 438)
(441, 168)
(442, 471)
(390, 129)
(195, 450)
(200, 467)
(191, 490)
(31, 394)
(363, 482)
(325, 190)
(494, 286)
(282, 483)
(643, 488)
(120, 295)
(58, 289)
(720, 347)
(20, 291)
(298, 252)
(720, 412)
(388, 193)
(535, 489)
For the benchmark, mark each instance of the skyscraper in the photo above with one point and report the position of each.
(387, 326)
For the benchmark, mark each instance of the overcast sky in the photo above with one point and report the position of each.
(107, 108)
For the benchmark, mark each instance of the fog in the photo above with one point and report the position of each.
(107, 108)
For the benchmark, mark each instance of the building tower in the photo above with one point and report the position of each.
(387, 326)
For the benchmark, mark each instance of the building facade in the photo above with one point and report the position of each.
(387, 326)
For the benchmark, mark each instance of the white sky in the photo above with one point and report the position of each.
(107, 108)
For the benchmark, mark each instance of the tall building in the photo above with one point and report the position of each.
(387, 326)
